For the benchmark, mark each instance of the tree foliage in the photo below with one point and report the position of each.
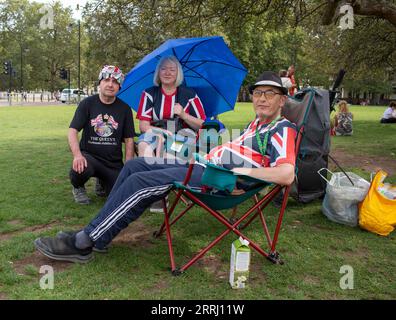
(263, 34)
(42, 52)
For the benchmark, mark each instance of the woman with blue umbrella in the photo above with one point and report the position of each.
(167, 107)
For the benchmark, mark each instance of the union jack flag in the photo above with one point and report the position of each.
(98, 120)
(112, 122)
(245, 151)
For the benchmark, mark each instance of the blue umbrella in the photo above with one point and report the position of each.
(209, 67)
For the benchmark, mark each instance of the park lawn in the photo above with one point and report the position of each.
(369, 136)
(36, 200)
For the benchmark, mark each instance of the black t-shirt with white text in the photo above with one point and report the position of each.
(104, 126)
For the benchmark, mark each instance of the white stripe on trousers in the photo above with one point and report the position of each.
(119, 212)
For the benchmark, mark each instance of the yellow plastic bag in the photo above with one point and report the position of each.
(377, 213)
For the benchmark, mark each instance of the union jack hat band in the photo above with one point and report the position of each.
(111, 72)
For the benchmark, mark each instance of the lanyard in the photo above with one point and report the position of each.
(263, 143)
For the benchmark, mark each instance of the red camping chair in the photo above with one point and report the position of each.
(220, 179)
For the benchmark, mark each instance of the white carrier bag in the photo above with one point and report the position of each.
(343, 193)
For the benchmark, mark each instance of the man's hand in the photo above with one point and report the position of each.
(179, 111)
(79, 163)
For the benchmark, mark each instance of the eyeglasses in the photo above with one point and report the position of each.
(268, 94)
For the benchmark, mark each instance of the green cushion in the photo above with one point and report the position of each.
(220, 201)
(223, 180)
(216, 177)
(219, 178)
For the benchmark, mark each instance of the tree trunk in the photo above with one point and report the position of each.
(373, 8)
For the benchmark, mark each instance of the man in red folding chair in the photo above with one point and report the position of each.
(265, 150)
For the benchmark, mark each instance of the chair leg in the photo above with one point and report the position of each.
(177, 272)
(169, 237)
(185, 201)
(263, 223)
(280, 218)
(268, 198)
(274, 258)
(233, 217)
(159, 232)
(272, 255)
(171, 210)
(230, 227)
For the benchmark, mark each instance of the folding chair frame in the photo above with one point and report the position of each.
(235, 227)
(135, 148)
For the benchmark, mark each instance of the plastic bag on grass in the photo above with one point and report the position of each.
(377, 213)
(340, 203)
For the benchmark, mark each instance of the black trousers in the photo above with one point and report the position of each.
(95, 168)
(391, 120)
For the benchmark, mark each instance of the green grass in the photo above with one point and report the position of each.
(34, 165)
(369, 136)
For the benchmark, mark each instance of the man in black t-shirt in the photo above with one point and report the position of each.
(106, 122)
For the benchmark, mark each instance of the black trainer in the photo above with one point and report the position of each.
(277, 201)
(63, 249)
(99, 189)
(61, 234)
(80, 195)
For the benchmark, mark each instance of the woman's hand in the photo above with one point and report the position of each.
(167, 132)
(179, 111)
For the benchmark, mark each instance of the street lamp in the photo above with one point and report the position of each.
(78, 54)
(79, 57)
(23, 49)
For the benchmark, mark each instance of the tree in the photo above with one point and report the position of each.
(41, 51)
(264, 34)
(385, 10)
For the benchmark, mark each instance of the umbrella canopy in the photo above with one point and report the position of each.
(209, 67)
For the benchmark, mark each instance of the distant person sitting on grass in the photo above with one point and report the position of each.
(265, 150)
(343, 120)
(106, 122)
(389, 115)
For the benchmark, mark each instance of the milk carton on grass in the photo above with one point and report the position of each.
(239, 264)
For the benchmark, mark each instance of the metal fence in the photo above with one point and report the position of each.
(21, 97)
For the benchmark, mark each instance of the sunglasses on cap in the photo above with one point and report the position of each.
(112, 72)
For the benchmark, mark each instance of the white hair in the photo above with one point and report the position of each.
(180, 75)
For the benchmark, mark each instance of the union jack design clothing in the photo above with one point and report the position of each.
(244, 151)
(156, 105)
